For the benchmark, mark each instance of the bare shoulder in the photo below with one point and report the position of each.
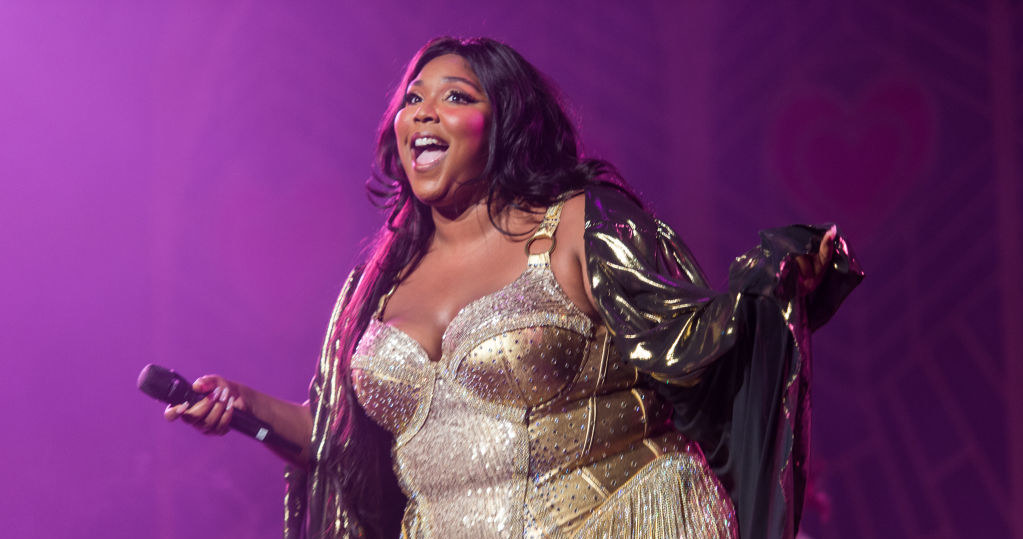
(569, 258)
(573, 220)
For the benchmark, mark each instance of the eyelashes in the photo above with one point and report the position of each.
(410, 99)
(456, 96)
(453, 96)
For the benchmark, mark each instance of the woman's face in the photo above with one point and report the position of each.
(442, 133)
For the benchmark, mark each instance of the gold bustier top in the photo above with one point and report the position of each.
(531, 425)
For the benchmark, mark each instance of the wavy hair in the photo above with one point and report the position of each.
(533, 159)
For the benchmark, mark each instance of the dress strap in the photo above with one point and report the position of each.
(382, 304)
(545, 232)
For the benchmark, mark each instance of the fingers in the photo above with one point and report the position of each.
(219, 417)
(211, 414)
(827, 247)
(207, 413)
(812, 267)
(225, 418)
(173, 412)
(805, 266)
(206, 384)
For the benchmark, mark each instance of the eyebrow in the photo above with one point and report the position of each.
(464, 80)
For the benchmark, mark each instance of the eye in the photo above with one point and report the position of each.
(411, 98)
(458, 96)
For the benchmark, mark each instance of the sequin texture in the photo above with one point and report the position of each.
(531, 425)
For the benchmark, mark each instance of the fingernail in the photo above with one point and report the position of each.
(230, 403)
(215, 394)
(223, 395)
(183, 407)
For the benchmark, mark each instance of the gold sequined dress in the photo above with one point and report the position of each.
(531, 425)
(537, 421)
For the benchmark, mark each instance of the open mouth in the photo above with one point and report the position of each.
(428, 150)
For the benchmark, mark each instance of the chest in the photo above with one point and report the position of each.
(427, 302)
(517, 347)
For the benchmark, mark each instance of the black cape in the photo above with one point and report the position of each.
(736, 364)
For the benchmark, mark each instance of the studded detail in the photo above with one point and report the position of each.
(530, 425)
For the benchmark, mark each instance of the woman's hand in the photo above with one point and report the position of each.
(212, 414)
(811, 267)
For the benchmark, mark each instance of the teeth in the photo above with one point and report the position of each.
(426, 141)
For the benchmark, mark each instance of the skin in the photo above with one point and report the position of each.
(447, 102)
(467, 258)
(212, 414)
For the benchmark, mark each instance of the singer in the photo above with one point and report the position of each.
(527, 351)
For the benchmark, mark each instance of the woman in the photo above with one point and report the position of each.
(528, 352)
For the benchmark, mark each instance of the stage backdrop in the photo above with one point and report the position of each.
(182, 183)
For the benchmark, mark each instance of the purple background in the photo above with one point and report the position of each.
(181, 183)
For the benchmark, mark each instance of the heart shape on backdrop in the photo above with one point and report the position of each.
(853, 160)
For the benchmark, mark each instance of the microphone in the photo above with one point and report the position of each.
(168, 386)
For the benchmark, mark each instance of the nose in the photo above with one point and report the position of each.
(425, 113)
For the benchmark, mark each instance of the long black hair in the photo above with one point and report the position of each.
(533, 159)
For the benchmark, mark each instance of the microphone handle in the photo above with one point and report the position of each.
(250, 425)
(241, 420)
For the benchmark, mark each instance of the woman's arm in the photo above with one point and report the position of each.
(294, 422)
(665, 317)
(735, 363)
(212, 414)
(570, 264)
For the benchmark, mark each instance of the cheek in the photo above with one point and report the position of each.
(473, 125)
(401, 133)
(400, 125)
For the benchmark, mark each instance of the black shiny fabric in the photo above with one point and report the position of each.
(734, 364)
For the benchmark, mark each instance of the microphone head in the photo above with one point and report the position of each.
(164, 384)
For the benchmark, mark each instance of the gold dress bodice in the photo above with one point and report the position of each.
(531, 425)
